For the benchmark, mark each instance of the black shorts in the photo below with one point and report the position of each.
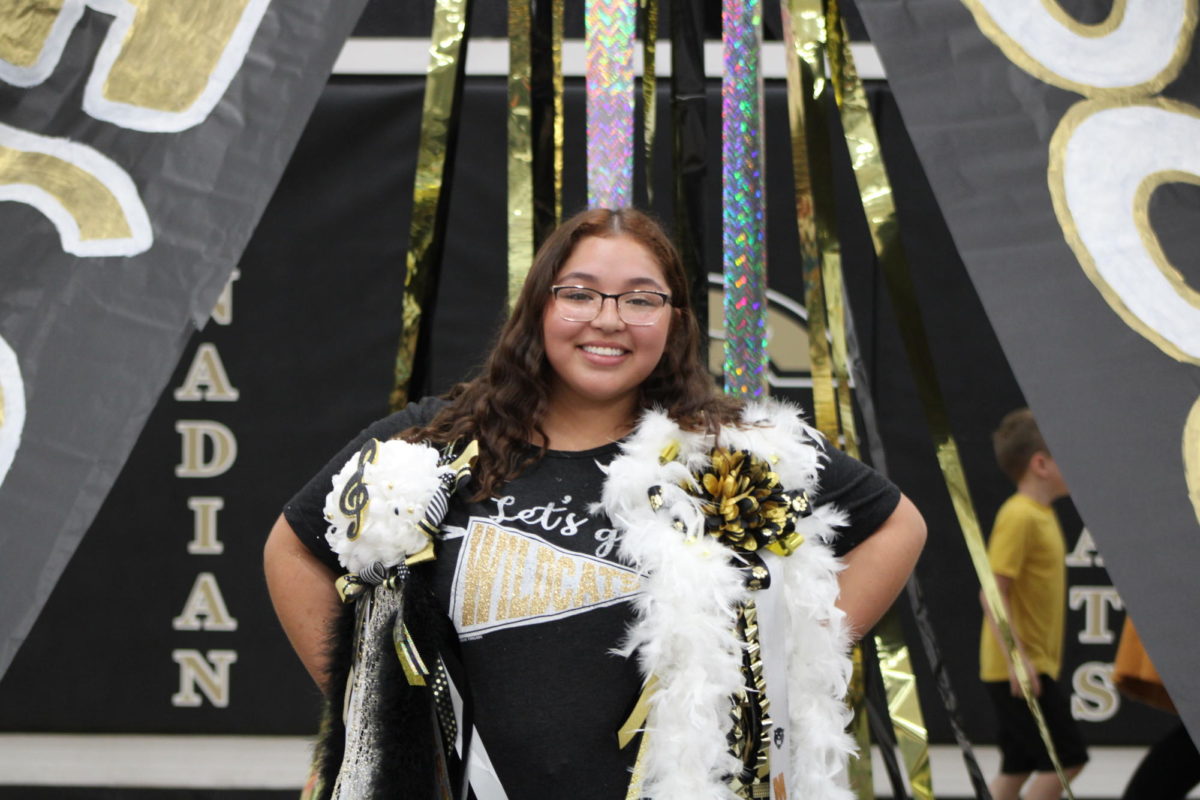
(1021, 747)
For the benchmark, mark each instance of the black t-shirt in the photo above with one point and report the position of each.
(534, 587)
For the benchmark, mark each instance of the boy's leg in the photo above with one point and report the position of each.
(1016, 764)
(1007, 785)
(1047, 786)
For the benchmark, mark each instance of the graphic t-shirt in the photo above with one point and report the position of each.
(534, 587)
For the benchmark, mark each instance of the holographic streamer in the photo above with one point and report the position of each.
(427, 229)
(520, 147)
(743, 201)
(609, 27)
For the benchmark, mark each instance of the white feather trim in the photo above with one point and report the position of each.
(683, 633)
(400, 483)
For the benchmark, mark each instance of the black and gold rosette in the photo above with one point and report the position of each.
(744, 505)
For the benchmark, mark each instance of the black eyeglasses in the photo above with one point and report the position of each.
(581, 304)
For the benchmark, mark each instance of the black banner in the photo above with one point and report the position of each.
(139, 143)
(1061, 148)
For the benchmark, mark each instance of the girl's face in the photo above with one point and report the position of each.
(604, 361)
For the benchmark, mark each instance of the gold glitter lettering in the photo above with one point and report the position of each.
(482, 561)
(588, 588)
(542, 581)
(562, 595)
(515, 572)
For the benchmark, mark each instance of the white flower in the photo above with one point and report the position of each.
(400, 482)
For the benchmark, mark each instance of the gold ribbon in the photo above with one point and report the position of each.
(862, 780)
(803, 23)
(904, 705)
(426, 228)
(649, 90)
(556, 54)
(634, 724)
(520, 147)
(877, 200)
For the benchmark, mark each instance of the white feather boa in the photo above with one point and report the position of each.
(684, 633)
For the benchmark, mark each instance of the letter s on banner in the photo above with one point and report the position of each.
(1137, 50)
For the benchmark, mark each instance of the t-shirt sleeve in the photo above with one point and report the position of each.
(305, 511)
(1007, 544)
(867, 497)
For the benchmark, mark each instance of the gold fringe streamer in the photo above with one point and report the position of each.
(862, 780)
(649, 90)
(904, 705)
(876, 193)
(520, 147)
(425, 229)
(803, 23)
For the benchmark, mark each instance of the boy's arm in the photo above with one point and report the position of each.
(1004, 584)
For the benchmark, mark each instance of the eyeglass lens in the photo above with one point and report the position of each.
(579, 304)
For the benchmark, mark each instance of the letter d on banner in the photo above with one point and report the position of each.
(208, 448)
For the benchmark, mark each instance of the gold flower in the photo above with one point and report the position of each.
(744, 504)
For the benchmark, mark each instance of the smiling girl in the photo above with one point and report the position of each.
(717, 553)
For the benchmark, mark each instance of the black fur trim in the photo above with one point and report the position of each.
(406, 712)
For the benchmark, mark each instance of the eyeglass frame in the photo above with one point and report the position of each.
(616, 298)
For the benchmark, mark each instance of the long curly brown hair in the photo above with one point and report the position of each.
(504, 406)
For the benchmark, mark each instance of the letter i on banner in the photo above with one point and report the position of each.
(743, 202)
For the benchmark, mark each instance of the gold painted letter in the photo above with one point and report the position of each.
(206, 378)
(205, 600)
(209, 672)
(199, 461)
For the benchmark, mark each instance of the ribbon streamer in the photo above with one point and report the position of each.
(743, 204)
(427, 228)
(879, 205)
(904, 706)
(608, 29)
(862, 781)
(546, 87)
(689, 142)
(520, 147)
(803, 25)
(649, 90)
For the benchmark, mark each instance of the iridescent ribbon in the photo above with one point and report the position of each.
(427, 230)
(743, 202)
(520, 147)
(649, 89)
(609, 27)
(689, 143)
(877, 199)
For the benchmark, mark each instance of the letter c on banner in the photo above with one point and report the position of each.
(1102, 205)
(1137, 50)
(12, 407)
(92, 202)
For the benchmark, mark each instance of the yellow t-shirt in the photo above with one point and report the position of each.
(1027, 545)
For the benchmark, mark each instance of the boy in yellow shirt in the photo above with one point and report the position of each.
(1027, 554)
